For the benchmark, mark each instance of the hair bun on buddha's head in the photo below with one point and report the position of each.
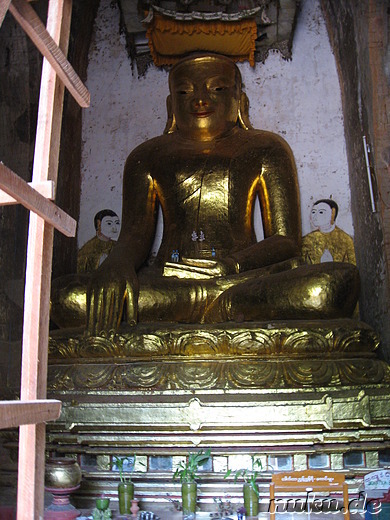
(207, 56)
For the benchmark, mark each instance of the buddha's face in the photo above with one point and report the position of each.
(205, 97)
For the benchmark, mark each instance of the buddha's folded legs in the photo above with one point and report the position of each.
(68, 300)
(170, 298)
(323, 291)
(160, 299)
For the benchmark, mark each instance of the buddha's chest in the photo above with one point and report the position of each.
(207, 185)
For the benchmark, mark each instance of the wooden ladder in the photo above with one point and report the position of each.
(33, 409)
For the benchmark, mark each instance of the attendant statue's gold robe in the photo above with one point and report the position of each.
(337, 242)
(92, 254)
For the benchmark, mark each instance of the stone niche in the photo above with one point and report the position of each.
(161, 396)
(268, 389)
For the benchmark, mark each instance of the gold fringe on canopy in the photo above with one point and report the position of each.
(170, 39)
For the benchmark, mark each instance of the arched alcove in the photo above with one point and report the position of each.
(350, 38)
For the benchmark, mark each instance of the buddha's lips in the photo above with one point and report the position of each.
(203, 113)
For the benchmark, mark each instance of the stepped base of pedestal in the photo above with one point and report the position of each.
(291, 354)
(281, 389)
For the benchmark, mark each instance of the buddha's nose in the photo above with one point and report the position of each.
(200, 102)
(201, 98)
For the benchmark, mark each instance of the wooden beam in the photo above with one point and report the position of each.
(15, 413)
(31, 472)
(34, 201)
(45, 188)
(4, 5)
(32, 438)
(25, 15)
(51, 98)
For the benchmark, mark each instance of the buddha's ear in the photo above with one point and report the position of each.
(243, 112)
(171, 122)
(333, 217)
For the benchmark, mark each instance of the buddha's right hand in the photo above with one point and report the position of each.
(109, 293)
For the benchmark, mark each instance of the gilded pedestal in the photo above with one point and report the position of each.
(296, 388)
(275, 355)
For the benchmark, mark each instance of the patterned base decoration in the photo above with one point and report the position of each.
(208, 357)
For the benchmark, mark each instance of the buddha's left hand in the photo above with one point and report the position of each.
(108, 296)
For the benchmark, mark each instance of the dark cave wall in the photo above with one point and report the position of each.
(20, 71)
(349, 29)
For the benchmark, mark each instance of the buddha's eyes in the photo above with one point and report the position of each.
(219, 84)
(218, 88)
(184, 90)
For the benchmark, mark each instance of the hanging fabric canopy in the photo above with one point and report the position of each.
(171, 38)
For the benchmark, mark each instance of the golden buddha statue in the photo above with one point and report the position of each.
(206, 172)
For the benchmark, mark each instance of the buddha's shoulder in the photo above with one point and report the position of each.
(155, 143)
(239, 142)
(145, 152)
(263, 139)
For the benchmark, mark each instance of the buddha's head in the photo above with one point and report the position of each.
(205, 97)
